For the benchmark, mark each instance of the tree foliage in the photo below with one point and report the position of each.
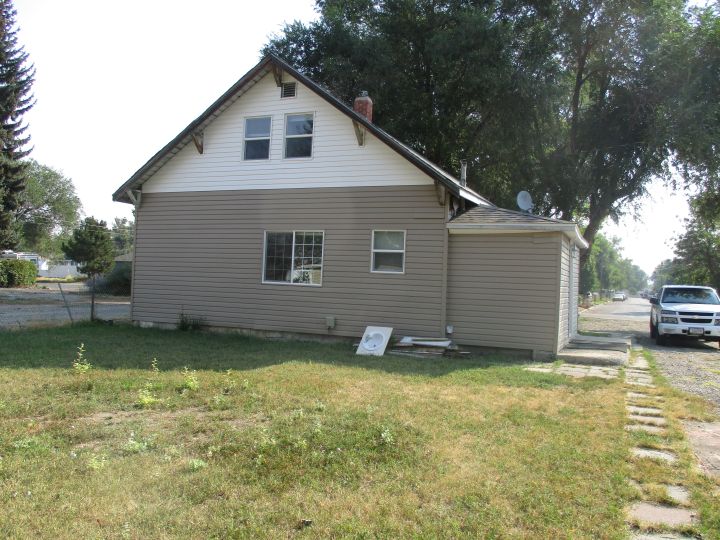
(49, 210)
(581, 102)
(91, 247)
(16, 80)
(123, 235)
(697, 252)
(607, 269)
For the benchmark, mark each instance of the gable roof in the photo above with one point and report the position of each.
(489, 220)
(264, 67)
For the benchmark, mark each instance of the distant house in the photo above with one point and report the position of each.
(46, 267)
(280, 209)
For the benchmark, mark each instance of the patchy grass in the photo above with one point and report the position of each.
(297, 439)
(678, 406)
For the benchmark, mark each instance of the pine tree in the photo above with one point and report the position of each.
(16, 80)
(91, 246)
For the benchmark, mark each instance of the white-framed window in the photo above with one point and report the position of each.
(299, 135)
(293, 257)
(257, 137)
(388, 252)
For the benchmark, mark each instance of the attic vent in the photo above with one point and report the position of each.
(288, 90)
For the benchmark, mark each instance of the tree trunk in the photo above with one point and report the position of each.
(92, 300)
(590, 233)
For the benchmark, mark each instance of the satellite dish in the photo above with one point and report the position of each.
(524, 201)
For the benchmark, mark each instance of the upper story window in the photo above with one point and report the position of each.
(388, 252)
(293, 257)
(257, 137)
(298, 135)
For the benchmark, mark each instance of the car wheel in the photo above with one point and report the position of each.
(653, 330)
(660, 339)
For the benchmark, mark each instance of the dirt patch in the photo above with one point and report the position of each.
(705, 441)
(121, 417)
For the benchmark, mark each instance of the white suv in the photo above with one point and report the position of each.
(687, 311)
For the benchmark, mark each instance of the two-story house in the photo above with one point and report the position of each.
(281, 209)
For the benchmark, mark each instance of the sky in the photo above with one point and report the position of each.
(117, 80)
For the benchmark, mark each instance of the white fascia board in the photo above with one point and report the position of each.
(568, 229)
(471, 196)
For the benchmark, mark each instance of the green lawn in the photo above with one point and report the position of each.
(361, 447)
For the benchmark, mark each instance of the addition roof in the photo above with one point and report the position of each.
(265, 66)
(492, 219)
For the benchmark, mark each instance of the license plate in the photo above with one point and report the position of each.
(696, 331)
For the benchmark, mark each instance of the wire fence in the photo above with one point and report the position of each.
(49, 304)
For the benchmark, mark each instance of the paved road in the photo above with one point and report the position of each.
(692, 366)
(632, 309)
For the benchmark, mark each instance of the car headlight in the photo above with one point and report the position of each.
(669, 320)
(667, 312)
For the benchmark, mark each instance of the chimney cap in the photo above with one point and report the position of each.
(363, 93)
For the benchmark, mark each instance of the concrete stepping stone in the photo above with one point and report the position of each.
(646, 385)
(652, 430)
(652, 420)
(539, 369)
(658, 514)
(638, 378)
(678, 494)
(640, 396)
(644, 411)
(650, 453)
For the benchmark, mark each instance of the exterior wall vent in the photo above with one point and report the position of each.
(288, 90)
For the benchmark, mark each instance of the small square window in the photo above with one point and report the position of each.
(388, 252)
(257, 138)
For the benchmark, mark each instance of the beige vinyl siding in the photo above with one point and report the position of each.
(564, 305)
(337, 159)
(503, 290)
(201, 253)
(574, 291)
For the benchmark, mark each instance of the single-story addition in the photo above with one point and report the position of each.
(282, 210)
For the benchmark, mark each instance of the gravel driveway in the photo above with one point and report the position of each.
(41, 306)
(692, 366)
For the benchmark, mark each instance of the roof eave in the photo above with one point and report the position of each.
(570, 230)
(183, 138)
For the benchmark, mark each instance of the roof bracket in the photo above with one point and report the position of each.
(135, 196)
(359, 133)
(277, 74)
(441, 193)
(198, 138)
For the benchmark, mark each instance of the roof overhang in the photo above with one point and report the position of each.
(267, 64)
(568, 229)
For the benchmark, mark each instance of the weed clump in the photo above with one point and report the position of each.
(81, 365)
(190, 380)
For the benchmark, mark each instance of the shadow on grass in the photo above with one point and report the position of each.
(129, 347)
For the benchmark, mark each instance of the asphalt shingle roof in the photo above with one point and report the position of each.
(495, 215)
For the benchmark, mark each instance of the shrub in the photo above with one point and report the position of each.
(17, 273)
(186, 322)
(117, 281)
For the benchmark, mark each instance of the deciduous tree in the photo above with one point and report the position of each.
(49, 210)
(581, 102)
